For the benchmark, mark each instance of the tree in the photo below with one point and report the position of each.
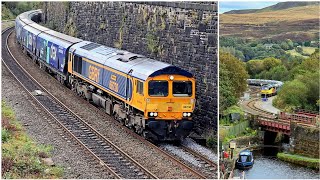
(227, 96)
(299, 49)
(6, 14)
(279, 73)
(269, 63)
(284, 46)
(237, 72)
(292, 95)
(290, 44)
(303, 91)
(311, 80)
(254, 67)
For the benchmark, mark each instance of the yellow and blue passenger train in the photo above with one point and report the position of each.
(268, 90)
(155, 99)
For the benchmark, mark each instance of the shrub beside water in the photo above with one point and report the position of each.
(301, 160)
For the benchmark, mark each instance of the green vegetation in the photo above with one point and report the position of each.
(69, 29)
(269, 60)
(260, 49)
(118, 44)
(234, 130)
(152, 43)
(212, 140)
(6, 14)
(302, 91)
(11, 9)
(301, 160)
(21, 157)
(232, 81)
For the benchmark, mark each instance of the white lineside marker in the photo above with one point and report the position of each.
(38, 93)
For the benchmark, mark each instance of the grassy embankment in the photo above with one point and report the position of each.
(22, 158)
(5, 24)
(301, 160)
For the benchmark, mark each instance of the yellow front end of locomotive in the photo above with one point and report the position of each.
(170, 97)
(269, 91)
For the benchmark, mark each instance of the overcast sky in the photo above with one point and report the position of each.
(237, 5)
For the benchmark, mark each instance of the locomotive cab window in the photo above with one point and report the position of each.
(182, 88)
(158, 88)
(140, 87)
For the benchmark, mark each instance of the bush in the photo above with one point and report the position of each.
(212, 141)
(20, 155)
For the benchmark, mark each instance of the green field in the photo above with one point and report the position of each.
(307, 50)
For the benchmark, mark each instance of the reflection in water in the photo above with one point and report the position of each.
(267, 166)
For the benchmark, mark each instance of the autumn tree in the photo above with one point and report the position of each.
(227, 95)
(269, 63)
(235, 72)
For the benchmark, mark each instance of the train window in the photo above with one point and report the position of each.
(158, 88)
(140, 87)
(77, 66)
(182, 88)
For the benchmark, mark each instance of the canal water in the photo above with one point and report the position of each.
(267, 166)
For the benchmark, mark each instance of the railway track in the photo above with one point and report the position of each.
(210, 167)
(251, 104)
(192, 159)
(197, 173)
(116, 161)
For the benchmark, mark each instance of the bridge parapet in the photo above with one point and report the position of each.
(302, 118)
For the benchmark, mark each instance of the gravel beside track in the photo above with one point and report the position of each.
(193, 159)
(158, 164)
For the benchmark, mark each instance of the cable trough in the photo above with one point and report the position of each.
(117, 162)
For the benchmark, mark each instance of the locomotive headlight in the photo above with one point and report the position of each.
(151, 114)
(171, 77)
(155, 114)
(189, 114)
(184, 114)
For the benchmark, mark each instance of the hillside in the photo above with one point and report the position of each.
(278, 6)
(297, 23)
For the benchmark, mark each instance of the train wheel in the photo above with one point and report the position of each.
(24, 50)
(145, 134)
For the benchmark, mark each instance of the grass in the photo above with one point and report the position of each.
(301, 160)
(21, 156)
(6, 24)
(279, 16)
(306, 50)
(297, 23)
(293, 52)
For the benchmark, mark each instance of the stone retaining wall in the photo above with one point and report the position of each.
(305, 140)
(181, 33)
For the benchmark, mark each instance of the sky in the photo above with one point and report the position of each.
(225, 6)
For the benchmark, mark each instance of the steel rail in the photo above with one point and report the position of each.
(202, 158)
